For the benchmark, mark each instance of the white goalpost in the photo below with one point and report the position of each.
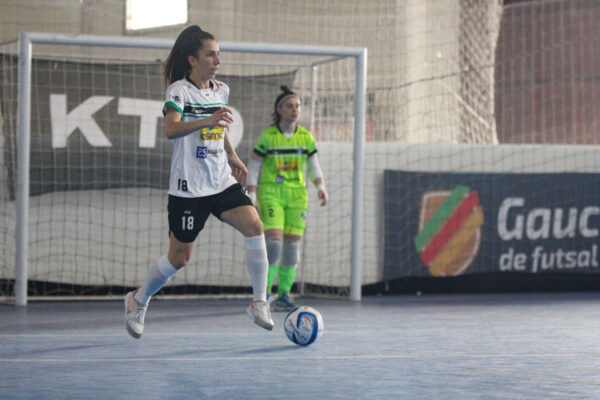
(22, 195)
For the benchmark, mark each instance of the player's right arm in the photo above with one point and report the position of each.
(175, 128)
(316, 176)
(254, 167)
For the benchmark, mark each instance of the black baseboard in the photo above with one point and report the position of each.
(487, 283)
(481, 283)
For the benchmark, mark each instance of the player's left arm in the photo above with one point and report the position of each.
(316, 176)
(238, 169)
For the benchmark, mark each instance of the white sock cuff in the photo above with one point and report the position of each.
(256, 242)
(165, 267)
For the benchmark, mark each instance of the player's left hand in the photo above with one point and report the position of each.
(322, 193)
(238, 169)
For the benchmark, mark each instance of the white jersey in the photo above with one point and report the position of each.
(199, 164)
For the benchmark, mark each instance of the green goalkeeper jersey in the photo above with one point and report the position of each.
(284, 156)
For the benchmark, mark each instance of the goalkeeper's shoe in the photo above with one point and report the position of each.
(284, 303)
(259, 312)
(134, 315)
(271, 298)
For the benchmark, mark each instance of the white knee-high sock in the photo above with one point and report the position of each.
(158, 276)
(258, 265)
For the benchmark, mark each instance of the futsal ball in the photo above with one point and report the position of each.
(303, 325)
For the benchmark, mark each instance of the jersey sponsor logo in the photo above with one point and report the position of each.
(449, 235)
(201, 151)
(176, 99)
(287, 166)
(215, 133)
(279, 179)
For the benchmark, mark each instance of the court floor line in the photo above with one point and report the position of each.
(296, 357)
(355, 332)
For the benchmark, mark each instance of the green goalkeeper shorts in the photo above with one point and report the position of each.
(283, 208)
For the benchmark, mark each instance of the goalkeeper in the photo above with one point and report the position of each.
(282, 150)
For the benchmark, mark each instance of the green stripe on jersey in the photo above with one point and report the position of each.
(196, 116)
(187, 103)
(171, 104)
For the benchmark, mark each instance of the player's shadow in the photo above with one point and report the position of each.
(67, 348)
(263, 350)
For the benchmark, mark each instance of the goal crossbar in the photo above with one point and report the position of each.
(27, 39)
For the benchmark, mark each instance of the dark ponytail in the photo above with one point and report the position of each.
(284, 95)
(188, 43)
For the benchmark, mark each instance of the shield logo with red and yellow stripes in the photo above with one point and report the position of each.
(449, 230)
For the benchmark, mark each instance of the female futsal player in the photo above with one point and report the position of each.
(282, 150)
(203, 167)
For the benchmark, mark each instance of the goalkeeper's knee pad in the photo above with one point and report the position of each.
(274, 245)
(289, 257)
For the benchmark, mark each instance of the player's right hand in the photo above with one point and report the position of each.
(323, 196)
(222, 117)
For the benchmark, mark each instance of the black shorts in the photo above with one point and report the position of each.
(187, 216)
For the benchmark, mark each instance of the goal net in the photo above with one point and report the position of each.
(523, 201)
(453, 86)
(100, 162)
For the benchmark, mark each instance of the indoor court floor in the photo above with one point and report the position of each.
(485, 346)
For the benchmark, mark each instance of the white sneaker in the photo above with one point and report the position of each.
(259, 312)
(134, 315)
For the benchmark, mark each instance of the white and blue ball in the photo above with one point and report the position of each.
(303, 325)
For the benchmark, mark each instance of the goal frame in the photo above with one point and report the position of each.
(26, 41)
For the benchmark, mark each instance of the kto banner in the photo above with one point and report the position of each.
(99, 125)
(448, 224)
